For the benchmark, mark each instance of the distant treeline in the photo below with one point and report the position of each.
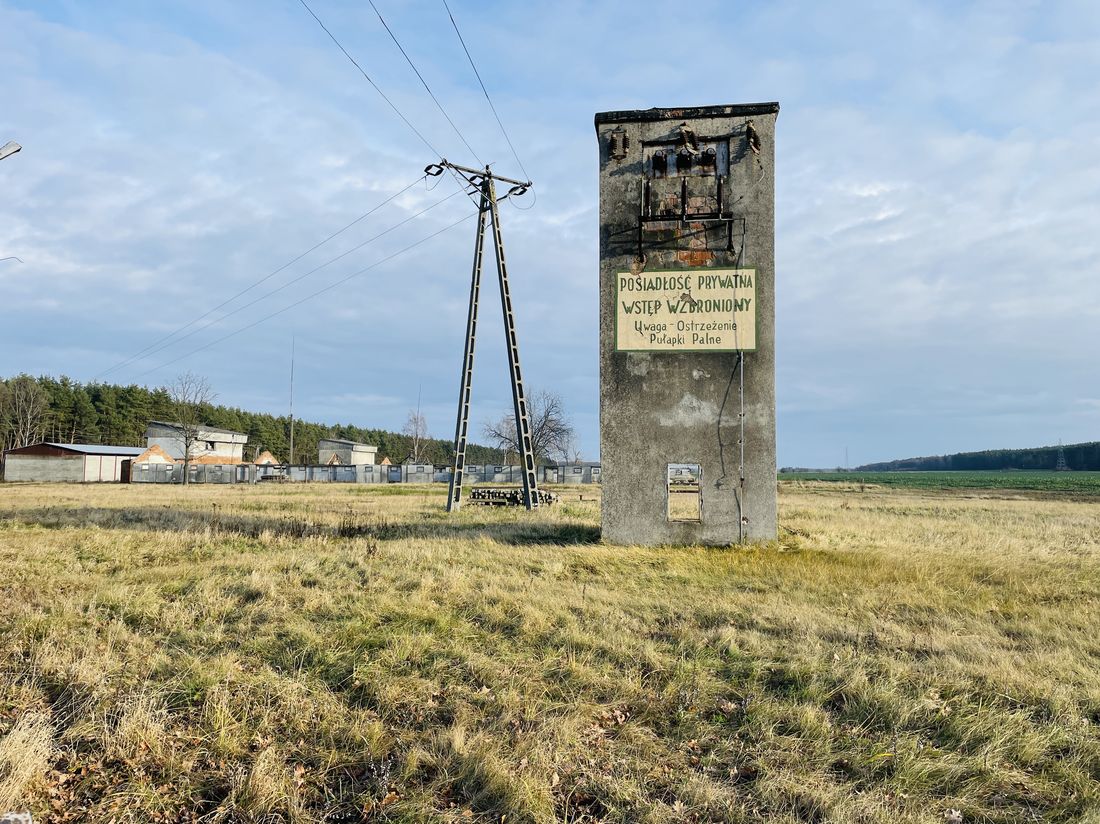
(100, 413)
(1079, 456)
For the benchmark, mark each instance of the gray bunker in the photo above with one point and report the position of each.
(687, 324)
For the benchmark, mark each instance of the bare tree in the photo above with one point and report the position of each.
(189, 393)
(24, 411)
(416, 428)
(552, 433)
(502, 435)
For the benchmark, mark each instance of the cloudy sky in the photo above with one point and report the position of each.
(938, 203)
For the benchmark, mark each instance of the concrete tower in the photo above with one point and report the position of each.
(687, 324)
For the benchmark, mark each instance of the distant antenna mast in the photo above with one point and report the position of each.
(292, 400)
(1061, 466)
(416, 427)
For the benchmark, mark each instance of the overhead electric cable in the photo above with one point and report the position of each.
(156, 344)
(397, 111)
(302, 276)
(363, 72)
(485, 91)
(308, 297)
(424, 82)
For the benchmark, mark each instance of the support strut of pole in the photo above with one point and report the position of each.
(519, 400)
(454, 497)
(485, 181)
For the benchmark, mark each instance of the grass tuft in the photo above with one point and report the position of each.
(25, 753)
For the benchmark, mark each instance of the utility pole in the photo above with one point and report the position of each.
(292, 400)
(416, 428)
(484, 180)
(1061, 465)
(7, 150)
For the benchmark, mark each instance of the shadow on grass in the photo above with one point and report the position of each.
(350, 525)
(516, 533)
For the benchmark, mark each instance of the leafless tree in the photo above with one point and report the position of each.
(502, 435)
(189, 393)
(552, 433)
(573, 453)
(24, 411)
(416, 428)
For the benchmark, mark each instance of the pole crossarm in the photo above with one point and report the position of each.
(474, 176)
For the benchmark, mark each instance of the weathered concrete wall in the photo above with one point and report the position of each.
(147, 472)
(37, 468)
(173, 445)
(417, 473)
(102, 468)
(659, 408)
(155, 473)
(216, 442)
(578, 474)
(346, 453)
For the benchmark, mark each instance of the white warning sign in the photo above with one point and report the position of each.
(686, 310)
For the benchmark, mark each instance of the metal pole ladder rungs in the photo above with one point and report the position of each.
(523, 428)
(454, 497)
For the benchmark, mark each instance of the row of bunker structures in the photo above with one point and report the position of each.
(217, 456)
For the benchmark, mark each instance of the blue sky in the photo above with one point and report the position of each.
(938, 172)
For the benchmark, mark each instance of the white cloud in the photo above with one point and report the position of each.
(936, 182)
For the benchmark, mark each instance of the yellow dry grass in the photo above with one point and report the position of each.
(338, 653)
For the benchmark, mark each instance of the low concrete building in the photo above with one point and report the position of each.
(224, 446)
(414, 473)
(336, 452)
(70, 462)
(578, 472)
(198, 473)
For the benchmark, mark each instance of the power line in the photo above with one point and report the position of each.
(156, 345)
(302, 276)
(308, 297)
(363, 72)
(485, 91)
(424, 83)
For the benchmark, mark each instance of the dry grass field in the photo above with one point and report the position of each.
(344, 654)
